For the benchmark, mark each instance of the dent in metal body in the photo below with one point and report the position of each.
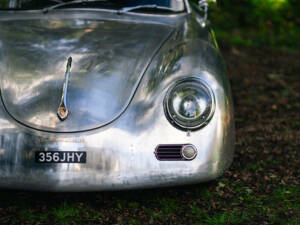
(157, 51)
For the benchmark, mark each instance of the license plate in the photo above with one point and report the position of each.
(60, 157)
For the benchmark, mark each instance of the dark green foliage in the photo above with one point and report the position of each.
(273, 23)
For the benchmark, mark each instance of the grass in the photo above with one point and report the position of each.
(225, 218)
(210, 205)
(65, 213)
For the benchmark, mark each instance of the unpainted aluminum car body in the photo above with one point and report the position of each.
(123, 65)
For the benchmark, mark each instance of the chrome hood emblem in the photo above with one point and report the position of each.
(62, 111)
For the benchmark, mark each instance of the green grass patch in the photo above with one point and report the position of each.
(225, 218)
(66, 213)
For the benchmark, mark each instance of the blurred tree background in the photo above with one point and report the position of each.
(271, 23)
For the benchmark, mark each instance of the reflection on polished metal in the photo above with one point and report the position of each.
(109, 66)
(203, 6)
(63, 111)
(189, 152)
(132, 8)
(123, 66)
(189, 104)
(61, 4)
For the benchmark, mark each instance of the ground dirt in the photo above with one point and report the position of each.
(261, 187)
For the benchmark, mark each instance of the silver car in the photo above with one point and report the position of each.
(109, 95)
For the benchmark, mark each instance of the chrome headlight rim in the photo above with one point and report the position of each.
(167, 111)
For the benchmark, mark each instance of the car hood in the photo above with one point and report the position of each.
(109, 60)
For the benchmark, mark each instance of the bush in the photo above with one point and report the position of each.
(257, 22)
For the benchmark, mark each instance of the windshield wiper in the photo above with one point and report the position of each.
(57, 1)
(62, 4)
(132, 8)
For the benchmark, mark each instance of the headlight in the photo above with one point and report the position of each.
(189, 104)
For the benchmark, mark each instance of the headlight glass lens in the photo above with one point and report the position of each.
(189, 104)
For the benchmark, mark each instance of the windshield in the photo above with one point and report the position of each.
(174, 5)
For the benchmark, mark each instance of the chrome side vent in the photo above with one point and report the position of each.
(175, 152)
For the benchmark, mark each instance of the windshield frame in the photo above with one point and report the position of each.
(185, 9)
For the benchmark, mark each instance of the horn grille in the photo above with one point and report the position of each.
(168, 152)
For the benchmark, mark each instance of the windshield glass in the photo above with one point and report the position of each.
(174, 5)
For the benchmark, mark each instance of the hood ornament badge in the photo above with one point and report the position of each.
(62, 111)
